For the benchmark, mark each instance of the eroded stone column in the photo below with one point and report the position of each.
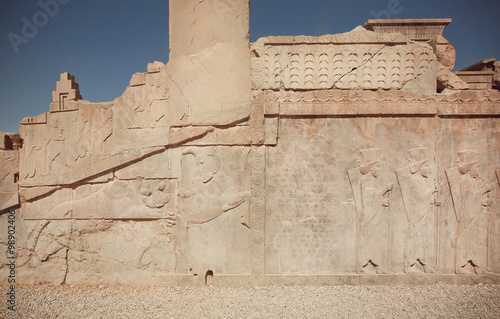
(198, 24)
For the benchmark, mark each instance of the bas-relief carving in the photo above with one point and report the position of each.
(84, 252)
(135, 199)
(68, 140)
(372, 201)
(285, 209)
(213, 197)
(419, 194)
(314, 66)
(111, 251)
(9, 175)
(471, 204)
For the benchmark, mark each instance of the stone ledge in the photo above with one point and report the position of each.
(390, 109)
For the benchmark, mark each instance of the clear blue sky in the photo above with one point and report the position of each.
(103, 42)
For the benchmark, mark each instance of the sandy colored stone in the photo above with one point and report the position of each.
(108, 251)
(138, 79)
(414, 29)
(212, 229)
(445, 52)
(66, 90)
(223, 68)
(377, 64)
(197, 25)
(355, 158)
(155, 67)
(3, 140)
(9, 176)
(447, 80)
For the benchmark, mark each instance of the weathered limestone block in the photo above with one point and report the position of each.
(212, 224)
(110, 251)
(136, 199)
(469, 218)
(42, 248)
(445, 52)
(138, 79)
(67, 141)
(360, 59)
(147, 102)
(447, 80)
(333, 202)
(237, 135)
(39, 119)
(419, 194)
(196, 25)
(44, 207)
(29, 194)
(153, 167)
(215, 83)
(9, 176)
(66, 90)
(414, 29)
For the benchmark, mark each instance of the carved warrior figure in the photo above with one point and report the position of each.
(471, 209)
(418, 192)
(371, 201)
(205, 195)
(212, 195)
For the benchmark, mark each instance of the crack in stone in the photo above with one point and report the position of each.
(182, 94)
(196, 6)
(357, 67)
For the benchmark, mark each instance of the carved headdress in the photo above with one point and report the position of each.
(371, 156)
(466, 159)
(418, 157)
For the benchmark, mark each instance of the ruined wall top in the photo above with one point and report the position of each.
(414, 29)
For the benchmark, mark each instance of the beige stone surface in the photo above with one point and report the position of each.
(223, 68)
(3, 140)
(9, 176)
(414, 29)
(212, 223)
(447, 80)
(355, 158)
(374, 62)
(110, 251)
(67, 90)
(197, 25)
(445, 52)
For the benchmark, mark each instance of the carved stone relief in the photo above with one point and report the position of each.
(213, 223)
(419, 194)
(471, 203)
(321, 64)
(9, 176)
(295, 159)
(372, 200)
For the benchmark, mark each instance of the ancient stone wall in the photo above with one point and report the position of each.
(350, 158)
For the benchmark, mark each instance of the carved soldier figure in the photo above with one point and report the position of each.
(471, 209)
(213, 195)
(419, 197)
(207, 194)
(371, 200)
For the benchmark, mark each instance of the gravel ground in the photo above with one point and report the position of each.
(435, 301)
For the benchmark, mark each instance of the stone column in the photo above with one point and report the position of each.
(199, 24)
